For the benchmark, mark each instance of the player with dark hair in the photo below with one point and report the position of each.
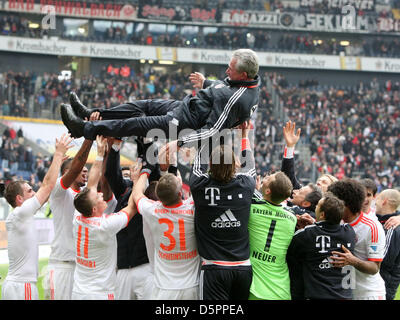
(59, 277)
(303, 199)
(370, 195)
(370, 245)
(312, 276)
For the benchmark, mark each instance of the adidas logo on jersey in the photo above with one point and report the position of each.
(226, 220)
(325, 264)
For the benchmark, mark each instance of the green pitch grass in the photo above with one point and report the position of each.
(42, 268)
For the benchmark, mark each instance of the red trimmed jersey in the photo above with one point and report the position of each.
(22, 237)
(62, 207)
(370, 245)
(176, 260)
(95, 243)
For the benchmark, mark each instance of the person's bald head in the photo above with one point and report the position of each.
(387, 201)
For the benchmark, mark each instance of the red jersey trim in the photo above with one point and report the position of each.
(374, 229)
(62, 185)
(174, 205)
(112, 196)
(65, 188)
(137, 203)
(358, 220)
(127, 215)
(376, 260)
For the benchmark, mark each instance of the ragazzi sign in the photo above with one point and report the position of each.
(79, 9)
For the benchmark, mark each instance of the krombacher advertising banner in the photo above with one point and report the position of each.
(186, 55)
(76, 48)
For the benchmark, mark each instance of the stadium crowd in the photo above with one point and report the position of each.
(352, 131)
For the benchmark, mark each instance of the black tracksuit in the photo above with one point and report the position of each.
(287, 167)
(221, 225)
(219, 105)
(311, 274)
(390, 267)
(131, 247)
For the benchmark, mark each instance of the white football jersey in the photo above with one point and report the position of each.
(176, 259)
(370, 245)
(111, 205)
(22, 236)
(96, 251)
(62, 207)
(371, 213)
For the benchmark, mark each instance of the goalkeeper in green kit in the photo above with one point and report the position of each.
(271, 228)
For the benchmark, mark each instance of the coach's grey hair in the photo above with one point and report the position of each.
(247, 61)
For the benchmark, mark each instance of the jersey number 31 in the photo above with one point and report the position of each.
(171, 238)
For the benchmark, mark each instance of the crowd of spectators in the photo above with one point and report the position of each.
(18, 161)
(15, 25)
(15, 90)
(351, 131)
(110, 88)
(223, 38)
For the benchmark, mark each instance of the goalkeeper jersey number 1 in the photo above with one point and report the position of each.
(271, 230)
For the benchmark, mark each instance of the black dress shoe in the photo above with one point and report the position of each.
(71, 121)
(80, 110)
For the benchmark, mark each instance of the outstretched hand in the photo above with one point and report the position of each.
(101, 145)
(291, 138)
(63, 144)
(197, 79)
(165, 156)
(135, 171)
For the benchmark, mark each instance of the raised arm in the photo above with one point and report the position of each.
(77, 164)
(104, 185)
(113, 172)
(139, 185)
(291, 139)
(247, 163)
(96, 169)
(50, 179)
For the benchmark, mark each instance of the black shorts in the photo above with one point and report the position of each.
(225, 283)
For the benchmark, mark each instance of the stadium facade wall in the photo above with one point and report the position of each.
(20, 62)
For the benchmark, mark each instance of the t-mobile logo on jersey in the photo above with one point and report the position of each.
(323, 242)
(212, 194)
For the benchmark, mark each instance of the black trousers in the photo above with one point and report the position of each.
(136, 119)
(225, 283)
